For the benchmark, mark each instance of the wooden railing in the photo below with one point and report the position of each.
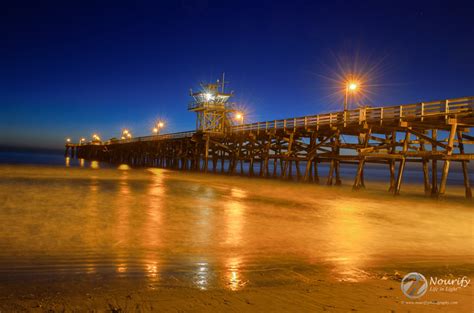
(409, 112)
(153, 137)
(459, 107)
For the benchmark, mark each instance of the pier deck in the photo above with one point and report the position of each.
(432, 133)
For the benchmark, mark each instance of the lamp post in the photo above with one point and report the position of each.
(350, 87)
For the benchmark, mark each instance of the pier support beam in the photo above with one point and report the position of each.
(206, 153)
(426, 174)
(364, 139)
(449, 151)
(465, 172)
(401, 167)
(288, 155)
(434, 166)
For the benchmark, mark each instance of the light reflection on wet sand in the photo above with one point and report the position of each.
(213, 231)
(123, 201)
(91, 216)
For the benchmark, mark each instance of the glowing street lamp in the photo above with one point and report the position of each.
(126, 134)
(350, 87)
(239, 117)
(68, 140)
(82, 140)
(158, 127)
(95, 137)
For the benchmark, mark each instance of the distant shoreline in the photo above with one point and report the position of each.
(26, 149)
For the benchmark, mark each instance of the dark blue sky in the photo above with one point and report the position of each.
(68, 69)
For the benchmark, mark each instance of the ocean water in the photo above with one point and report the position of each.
(373, 172)
(64, 218)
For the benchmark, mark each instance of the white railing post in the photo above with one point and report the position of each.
(422, 111)
(446, 109)
(362, 115)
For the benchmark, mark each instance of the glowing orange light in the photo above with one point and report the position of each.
(352, 86)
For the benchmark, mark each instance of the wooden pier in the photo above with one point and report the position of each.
(432, 134)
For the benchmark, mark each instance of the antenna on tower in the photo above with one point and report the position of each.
(223, 81)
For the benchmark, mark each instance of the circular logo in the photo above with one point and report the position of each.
(414, 285)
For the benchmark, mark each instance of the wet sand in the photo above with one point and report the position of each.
(313, 295)
(140, 240)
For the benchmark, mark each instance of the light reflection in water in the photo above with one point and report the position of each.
(233, 275)
(121, 268)
(123, 227)
(238, 193)
(234, 210)
(202, 275)
(123, 167)
(152, 270)
(350, 237)
(67, 161)
(91, 219)
(95, 165)
(155, 196)
(81, 162)
(202, 230)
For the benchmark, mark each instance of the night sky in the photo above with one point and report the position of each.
(72, 68)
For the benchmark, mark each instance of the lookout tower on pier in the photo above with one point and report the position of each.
(212, 107)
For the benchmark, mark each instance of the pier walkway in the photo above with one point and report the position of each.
(430, 133)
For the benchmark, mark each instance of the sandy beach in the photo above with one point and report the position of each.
(310, 294)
